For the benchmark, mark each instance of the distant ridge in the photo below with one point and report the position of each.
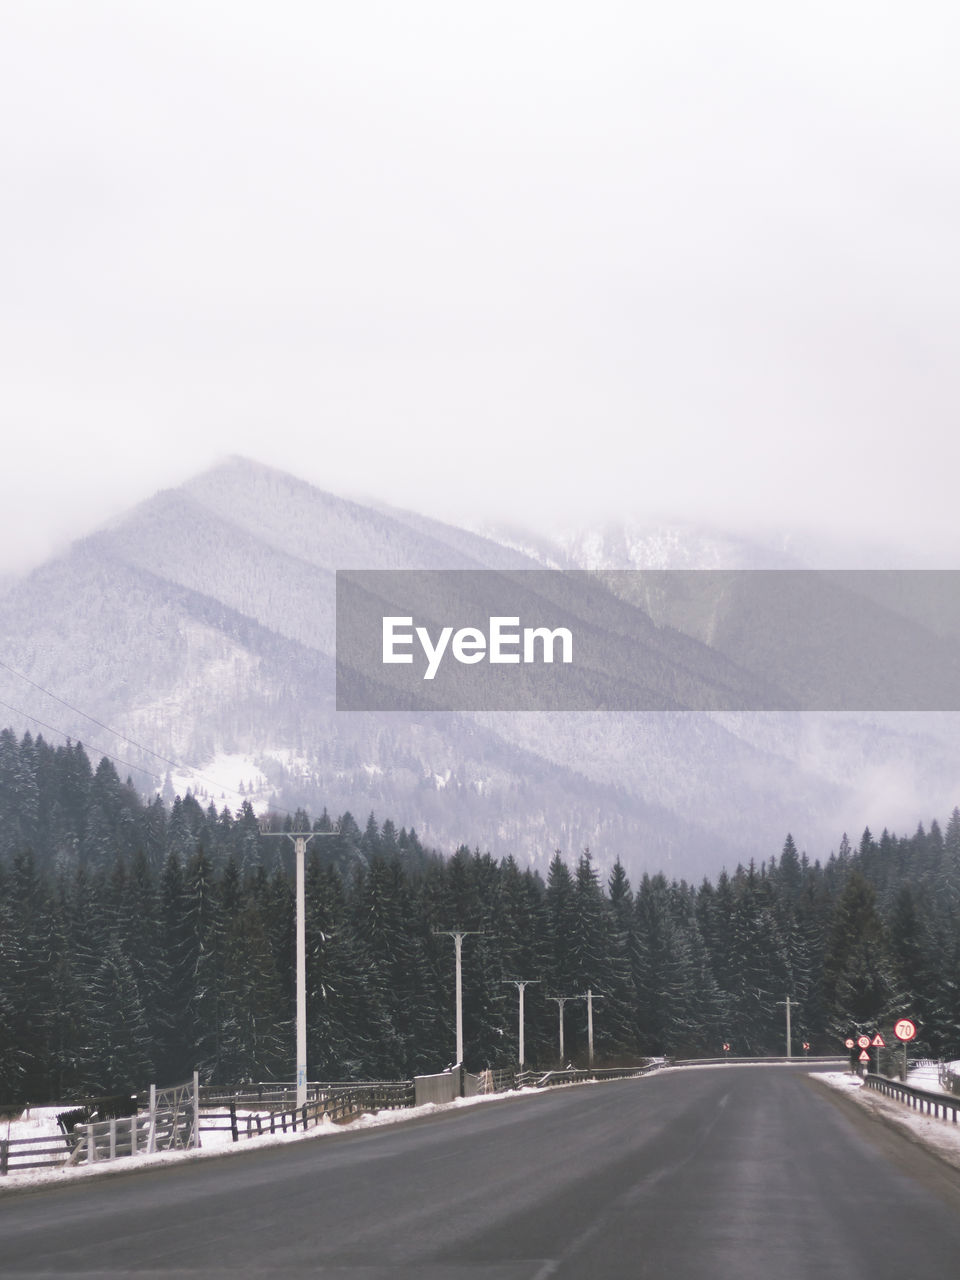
(200, 624)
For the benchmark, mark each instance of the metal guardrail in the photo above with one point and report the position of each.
(576, 1075)
(931, 1104)
(795, 1059)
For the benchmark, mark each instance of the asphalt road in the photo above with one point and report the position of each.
(734, 1173)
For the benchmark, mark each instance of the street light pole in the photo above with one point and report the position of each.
(787, 1003)
(458, 936)
(300, 841)
(521, 984)
(590, 999)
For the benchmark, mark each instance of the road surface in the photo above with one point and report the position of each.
(733, 1173)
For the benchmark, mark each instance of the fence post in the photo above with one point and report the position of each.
(4, 1156)
(91, 1145)
(233, 1122)
(152, 1129)
(113, 1138)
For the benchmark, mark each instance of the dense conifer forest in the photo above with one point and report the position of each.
(139, 941)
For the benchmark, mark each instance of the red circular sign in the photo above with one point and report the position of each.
(904, 1029)
(863, 1042)
(851, 1044)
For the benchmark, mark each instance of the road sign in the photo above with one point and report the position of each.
(806, 1046)
(851, 1044)
(864, 1056)
(878, 1042)
(863, 1042)
(904, 1029)
(726, 1048)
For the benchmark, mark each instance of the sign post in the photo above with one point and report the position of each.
(878, 1043)
(863, 1044)
(905, 1031)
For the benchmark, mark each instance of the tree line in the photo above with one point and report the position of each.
(140, 941)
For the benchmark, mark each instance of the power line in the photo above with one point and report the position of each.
(173, 764)
(99, 723)
(60, 733)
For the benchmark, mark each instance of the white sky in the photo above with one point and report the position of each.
(548, 261)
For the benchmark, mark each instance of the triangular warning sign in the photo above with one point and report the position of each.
(878, 1041)
(864, 1056)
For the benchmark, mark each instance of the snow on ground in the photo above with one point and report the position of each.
(926, 1075)
(226, 780)
(942, 1136)
(41, 1122)
(35, 1122)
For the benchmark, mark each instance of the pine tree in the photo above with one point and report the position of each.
(858, 979)
(206, 1011)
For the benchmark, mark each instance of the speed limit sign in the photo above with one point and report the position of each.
(863, 1042)
(904, 1029)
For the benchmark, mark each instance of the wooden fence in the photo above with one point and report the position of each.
(17, 1154)
(338, 1102)
(269, 1108)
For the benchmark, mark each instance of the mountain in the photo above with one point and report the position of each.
(200, 628)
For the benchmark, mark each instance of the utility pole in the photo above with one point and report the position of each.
(300, 841)
(590, 999)
(521, 984)
(561, 1001)
(787, 1003)
(458, 936)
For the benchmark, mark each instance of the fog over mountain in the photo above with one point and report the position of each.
(200, 626)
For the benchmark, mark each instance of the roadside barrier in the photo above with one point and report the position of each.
(938, 1105)
(338, 1102)
(17, 1154)
(576, 1075)
(178, 1117)
(795, 1059)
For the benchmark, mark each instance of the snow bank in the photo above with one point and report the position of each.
(942, 1136)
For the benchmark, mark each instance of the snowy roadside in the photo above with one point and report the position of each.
(42, 1122)
(941, 1136)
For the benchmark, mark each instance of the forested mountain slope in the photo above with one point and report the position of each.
(199, 626)
(137, 943)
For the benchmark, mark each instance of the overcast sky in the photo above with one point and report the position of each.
(548, 261)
